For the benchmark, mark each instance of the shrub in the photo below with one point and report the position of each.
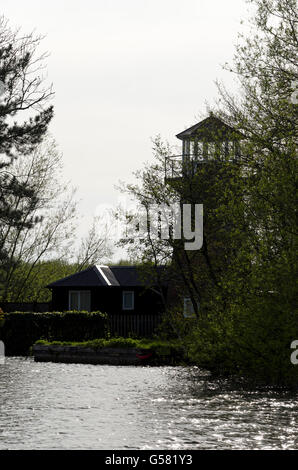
(22, 329)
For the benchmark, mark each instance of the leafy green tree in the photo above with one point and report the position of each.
(252, 335)
(245, 275)
(29, 283)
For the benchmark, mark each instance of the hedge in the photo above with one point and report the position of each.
(20, 330)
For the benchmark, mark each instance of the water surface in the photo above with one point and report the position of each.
(79, 406)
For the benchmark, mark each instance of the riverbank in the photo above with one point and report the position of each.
(114, 351)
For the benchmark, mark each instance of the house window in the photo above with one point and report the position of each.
(188, 310)
(128, 300)
(79, 300)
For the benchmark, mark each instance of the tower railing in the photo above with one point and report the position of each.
(177, 166)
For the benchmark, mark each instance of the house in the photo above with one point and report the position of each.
(109, 289)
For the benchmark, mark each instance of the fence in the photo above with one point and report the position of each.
(137, 325)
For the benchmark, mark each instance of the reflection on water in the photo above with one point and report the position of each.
(79, 406)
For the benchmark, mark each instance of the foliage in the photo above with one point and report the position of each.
(253, 343)
(244, 277)
(260, 320)
(34, 252)
(159, 347)
(22, 329)
(37, 209)
(25, 95)
(54, 211)
(29, 283)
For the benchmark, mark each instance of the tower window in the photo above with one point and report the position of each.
(188, 310)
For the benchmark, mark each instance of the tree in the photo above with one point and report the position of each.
(53, 210)
(253, 335)
(249, 317)
(25, 95)
(37, 254)
(152, 251)
(267, 69)
(95, 247)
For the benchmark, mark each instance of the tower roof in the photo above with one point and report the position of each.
(210, 129)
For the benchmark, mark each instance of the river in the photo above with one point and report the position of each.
(79, 406)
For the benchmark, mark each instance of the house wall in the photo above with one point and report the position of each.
(109, 299)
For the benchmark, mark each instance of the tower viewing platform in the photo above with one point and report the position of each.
(177, 166)
(210, 139)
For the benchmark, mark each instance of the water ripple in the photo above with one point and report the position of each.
(76, 406)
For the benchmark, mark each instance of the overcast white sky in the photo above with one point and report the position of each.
(124, 71)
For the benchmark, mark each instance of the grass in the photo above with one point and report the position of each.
(159, 347)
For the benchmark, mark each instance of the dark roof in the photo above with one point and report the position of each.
(126, 275)
(109, 275)
(96, 276)
(210, 129)
(89, 277)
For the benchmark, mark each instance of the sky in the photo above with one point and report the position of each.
(124, 71)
